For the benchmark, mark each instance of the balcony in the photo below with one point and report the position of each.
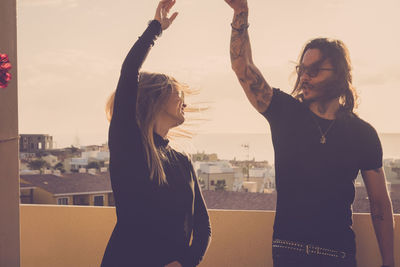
(76, 236)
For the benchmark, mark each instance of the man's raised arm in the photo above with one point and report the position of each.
(256, 88)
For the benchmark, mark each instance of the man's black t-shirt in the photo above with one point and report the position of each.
(314, 181)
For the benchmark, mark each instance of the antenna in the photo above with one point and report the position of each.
(246, 146)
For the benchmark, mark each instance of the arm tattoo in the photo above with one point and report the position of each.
(240, 19)
(249, 76)
(258, 86)
(376, 212)
(240, 43)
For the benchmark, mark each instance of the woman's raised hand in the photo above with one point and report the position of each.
(162, 13)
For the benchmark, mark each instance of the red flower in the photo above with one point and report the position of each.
(5, 66)
(3, 58)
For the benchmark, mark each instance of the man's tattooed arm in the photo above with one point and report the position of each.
(256, 88)
(381, 212)
(376, 212)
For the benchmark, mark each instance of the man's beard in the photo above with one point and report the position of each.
(328, 90)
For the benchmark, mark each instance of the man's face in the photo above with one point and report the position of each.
(314, 74)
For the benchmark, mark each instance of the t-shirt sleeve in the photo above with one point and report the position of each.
(283, 106)
(370, 149)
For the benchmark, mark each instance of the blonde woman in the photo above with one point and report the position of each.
(159, 204)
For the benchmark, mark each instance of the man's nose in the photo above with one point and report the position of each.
(304, 76)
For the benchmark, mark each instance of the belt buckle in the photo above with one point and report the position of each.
(343, 254)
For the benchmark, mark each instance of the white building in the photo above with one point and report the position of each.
(215, 175)
(96, 155)
(391, 167)
(263, 177)
(74, 164)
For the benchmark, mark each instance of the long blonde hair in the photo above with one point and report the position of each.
(154, 90)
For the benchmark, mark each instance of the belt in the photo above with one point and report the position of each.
(308, 249)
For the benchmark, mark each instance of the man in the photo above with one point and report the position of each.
(320, 146)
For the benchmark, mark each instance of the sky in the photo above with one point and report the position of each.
(70, 53)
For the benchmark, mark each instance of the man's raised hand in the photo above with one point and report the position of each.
(237, 5)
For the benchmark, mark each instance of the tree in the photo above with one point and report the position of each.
(37, 164)
(202, 183)
(93, 165)
(59, 166)
(220, 185)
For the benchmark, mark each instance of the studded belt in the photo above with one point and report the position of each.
(308, 249)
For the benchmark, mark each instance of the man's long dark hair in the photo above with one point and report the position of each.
(341, 84)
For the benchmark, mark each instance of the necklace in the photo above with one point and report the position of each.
(322, 140)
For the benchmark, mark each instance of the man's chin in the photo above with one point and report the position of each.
(309, 99)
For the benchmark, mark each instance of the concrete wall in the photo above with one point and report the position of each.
(77, 236)
(9, 184)
(259, 181)
(41, 196)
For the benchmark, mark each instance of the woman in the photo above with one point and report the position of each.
(159, 204)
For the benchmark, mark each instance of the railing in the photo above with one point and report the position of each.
(65, 236)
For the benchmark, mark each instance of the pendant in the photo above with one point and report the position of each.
(322, 140)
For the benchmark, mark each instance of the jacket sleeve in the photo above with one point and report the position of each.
(124, 112)
(133, 191)
(201, 228)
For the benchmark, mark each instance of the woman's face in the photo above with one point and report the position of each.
(175, 106)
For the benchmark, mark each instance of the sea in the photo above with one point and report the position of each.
(257, 146)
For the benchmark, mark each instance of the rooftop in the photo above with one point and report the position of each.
(70, 183)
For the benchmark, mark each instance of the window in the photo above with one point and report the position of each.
(81, 200)
(98, 200)
(62, 201)
(111, 200)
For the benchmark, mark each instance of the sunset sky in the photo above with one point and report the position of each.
(70, 53)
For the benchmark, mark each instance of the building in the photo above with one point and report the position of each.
(74, 164)
(68, 189)
(103, 147)
(392, 170)
(239, 178)
(35, 142)
(216, 175)
(263, 177)
(96, 155)
(202, 156)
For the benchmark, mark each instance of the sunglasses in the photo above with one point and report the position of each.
(311, 71)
